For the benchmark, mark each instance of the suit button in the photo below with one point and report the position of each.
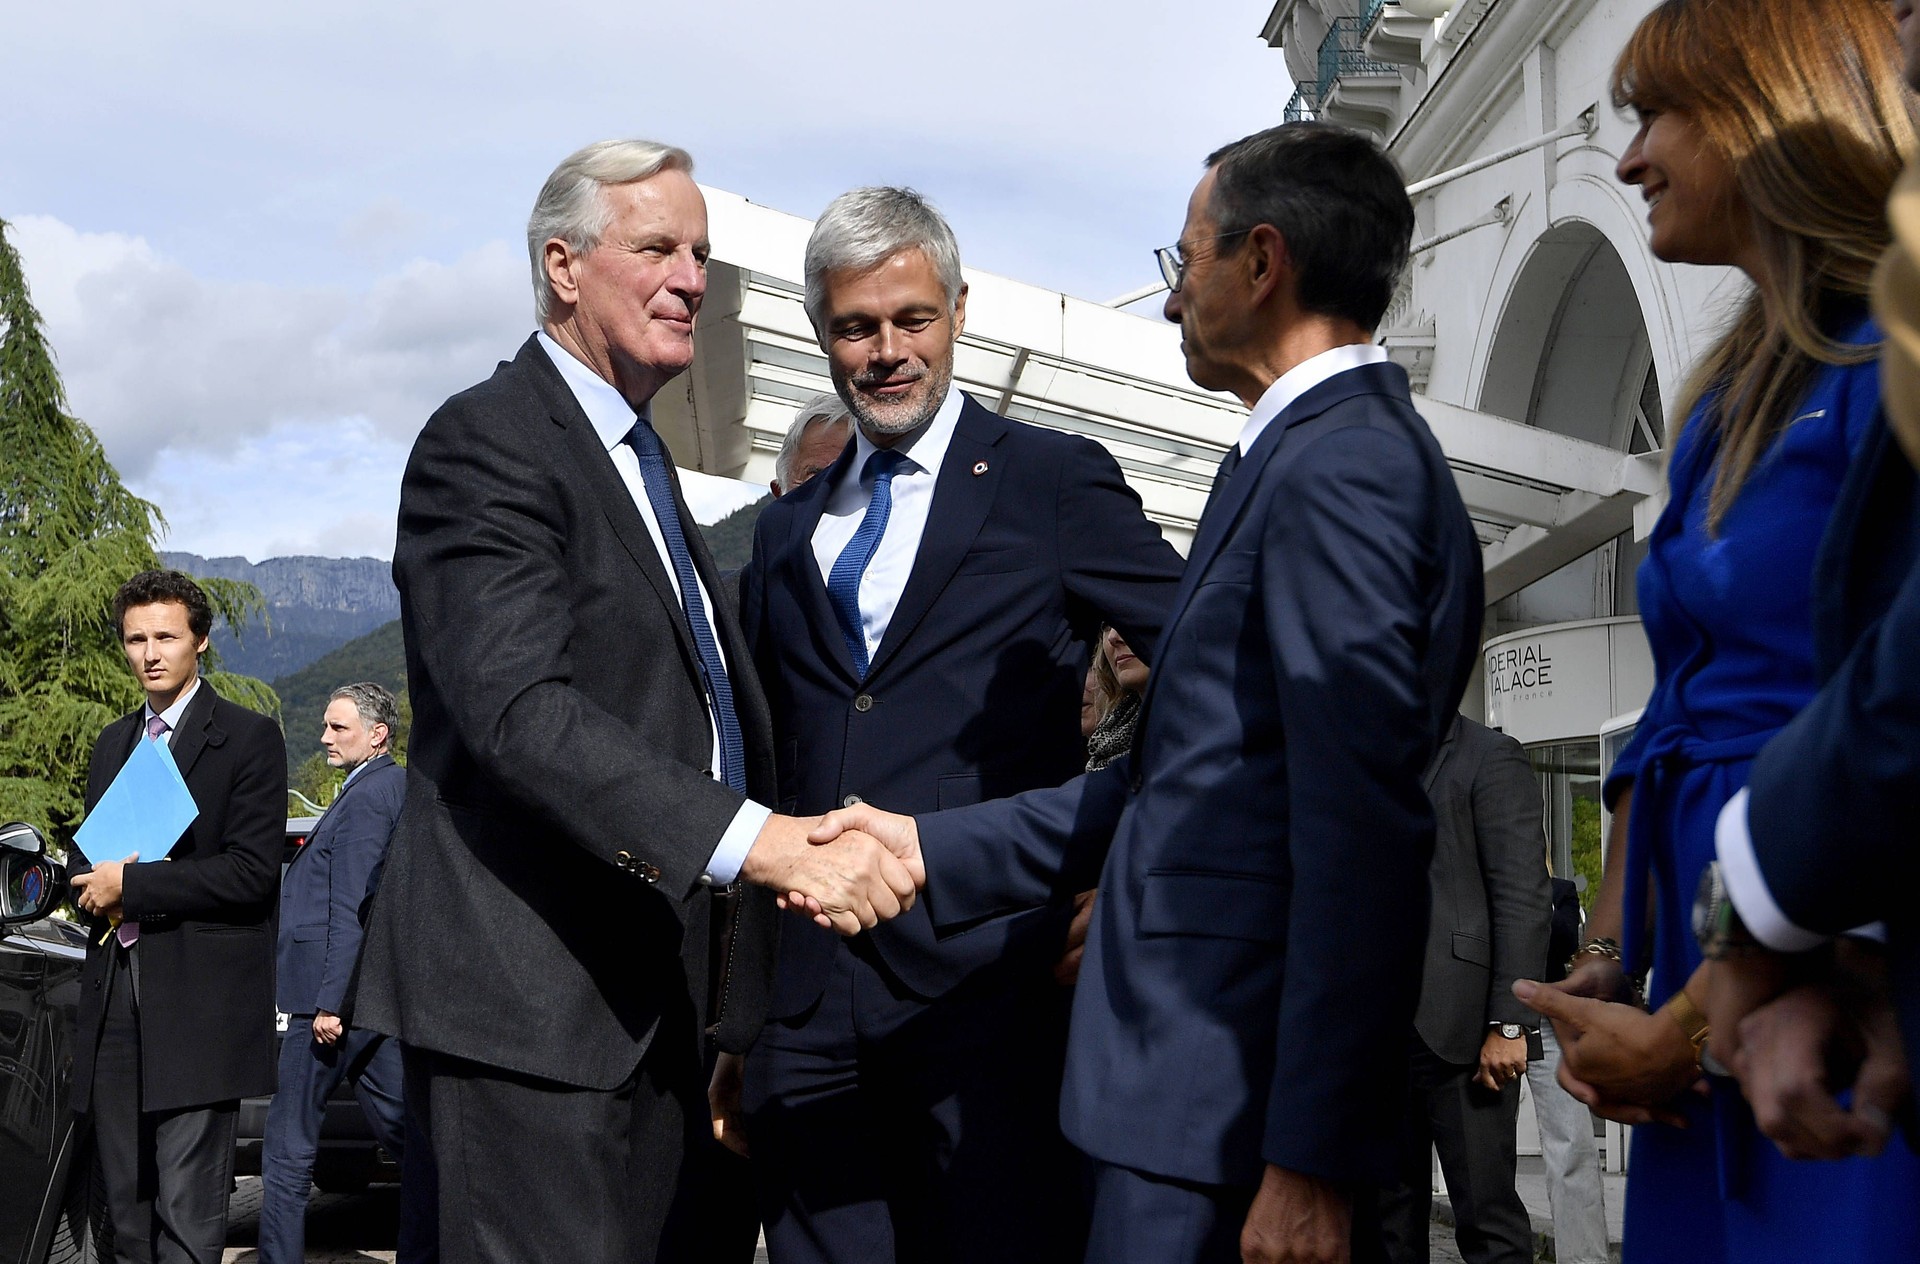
(863, 703)
(623, 860)
(649, 873)
(707, 773)
(851, 801)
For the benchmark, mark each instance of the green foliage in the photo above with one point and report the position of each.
(70, 534)
(730, 540)
(1586, 846)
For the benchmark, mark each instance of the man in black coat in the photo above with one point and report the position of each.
(1487, 927)
(176, 1006)
(589, 763)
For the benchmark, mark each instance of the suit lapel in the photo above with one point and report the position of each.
(1441, 756)
(372, 766)
(609, 490)
(803, 568)
(961, 501)
(1217, 522)
(197, 730)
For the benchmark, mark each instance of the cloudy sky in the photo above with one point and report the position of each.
(269, 239)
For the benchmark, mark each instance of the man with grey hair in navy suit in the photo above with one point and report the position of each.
(327, 883)
(922, 615)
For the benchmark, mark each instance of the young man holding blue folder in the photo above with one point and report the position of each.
(175, 1021)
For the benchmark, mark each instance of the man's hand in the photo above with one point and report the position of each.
(847, 885)
(1066, 971)
(898, 834)
(1798, 1051)
(1502, 1061)
(1297, 1219)
(1622, 1062)
(327, 1028)
(1736, 985)
(98, 891)
(723, 1103)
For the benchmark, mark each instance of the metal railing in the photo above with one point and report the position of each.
(1303, 106)
(1343, 52)
(1369, 12)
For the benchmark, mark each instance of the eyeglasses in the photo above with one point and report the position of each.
(1173, 268)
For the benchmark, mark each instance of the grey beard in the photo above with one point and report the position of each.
(892, 422)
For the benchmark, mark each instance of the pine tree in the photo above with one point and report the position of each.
(70, 534)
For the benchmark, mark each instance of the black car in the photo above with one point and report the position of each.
(349, 1158)
(52, 1206)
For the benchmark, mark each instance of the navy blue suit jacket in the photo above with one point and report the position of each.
(1834, 794)
(1256, 950)
(975, 690)
(325, 885)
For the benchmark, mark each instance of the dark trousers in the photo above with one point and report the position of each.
(531, 1170)
(1141, 1218)
(887, 1127)
(309, 1074)
(167, 1173)
(1473, 1129)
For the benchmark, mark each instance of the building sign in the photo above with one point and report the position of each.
(1522, 668)
(1563, 681)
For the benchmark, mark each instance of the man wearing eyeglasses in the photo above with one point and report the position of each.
(1238, 1049)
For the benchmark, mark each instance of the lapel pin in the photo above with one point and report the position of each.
(979, 468)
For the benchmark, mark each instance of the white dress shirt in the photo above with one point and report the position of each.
(886, 575)
(612, 419)
(1747, 887)
(172, 714)
(1300, 379)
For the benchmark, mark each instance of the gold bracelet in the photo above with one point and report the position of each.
(1693, 1023)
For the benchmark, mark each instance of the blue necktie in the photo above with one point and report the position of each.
(843, 582)
(654, 473)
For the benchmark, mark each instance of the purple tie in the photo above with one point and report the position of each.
(129, 931)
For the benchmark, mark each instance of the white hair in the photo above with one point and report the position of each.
(866, 227)
(570, 205)
(823, 409)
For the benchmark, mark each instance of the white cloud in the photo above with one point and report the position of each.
(160, 360)
(260, 234)
(266, 421)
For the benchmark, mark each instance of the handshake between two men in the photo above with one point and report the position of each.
(848, 870)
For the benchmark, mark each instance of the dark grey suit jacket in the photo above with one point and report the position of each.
(541, 909)
(1492, 903)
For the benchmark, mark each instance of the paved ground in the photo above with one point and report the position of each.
(360, 1228)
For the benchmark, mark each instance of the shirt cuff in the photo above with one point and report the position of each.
(1747, 886)
(724, 865)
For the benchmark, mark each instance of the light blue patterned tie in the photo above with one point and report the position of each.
(653, 473)
(843, 582)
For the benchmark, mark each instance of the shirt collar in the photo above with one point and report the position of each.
(358, 769)
(1300, 379)
(607, 409)
(925, 448)
(179, 708)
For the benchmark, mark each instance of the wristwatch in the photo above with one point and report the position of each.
(1717, 927)
(1509, 1031)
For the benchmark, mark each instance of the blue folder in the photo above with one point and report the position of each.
(145, 810)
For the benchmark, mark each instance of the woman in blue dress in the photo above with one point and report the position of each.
(1770, 134)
